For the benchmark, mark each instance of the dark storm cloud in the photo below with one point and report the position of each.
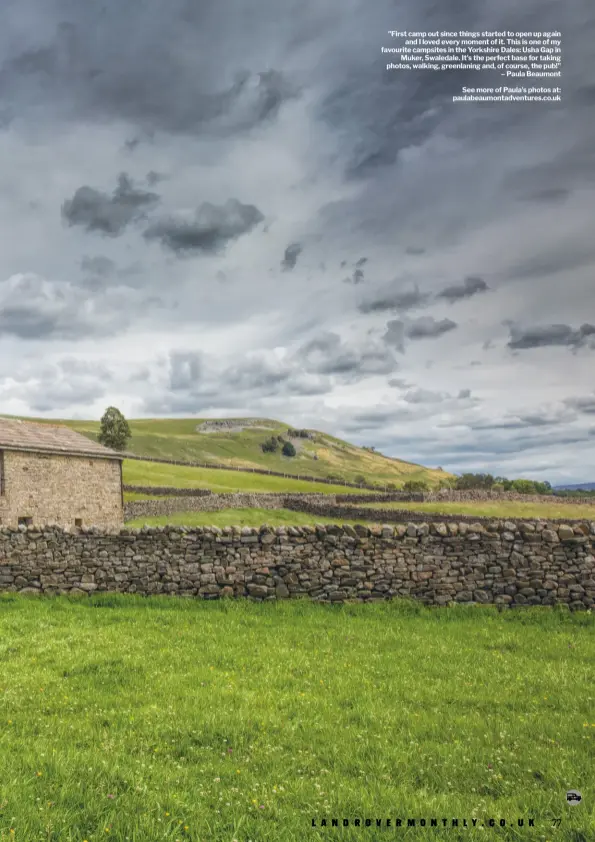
(470, 286)
(408, 300)
(292, 252)
(547, 335)
(212, 228)
(148, 65)
(97, 211)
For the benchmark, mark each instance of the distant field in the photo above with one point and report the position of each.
(240, 517)
(177, 438)
(497, 509)
(178, 476)
(162, 718)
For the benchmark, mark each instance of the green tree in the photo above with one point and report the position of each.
(359, 479)
(288, 449)
(114, 431)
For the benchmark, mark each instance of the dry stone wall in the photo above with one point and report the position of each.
(167, 491)
(479, 495)
(505, 563)
(216, 502)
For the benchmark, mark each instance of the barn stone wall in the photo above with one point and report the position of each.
(59, 489)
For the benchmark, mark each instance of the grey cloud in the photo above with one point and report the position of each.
(408, 300)
(211, 229)
(395, 335)
(356, 278)
(32, 308)
(586, 404)
(470, 286)
(427, 327)
(552, 260)
(328, 355)
(549, 335)
(399, 383)
(97, 211)
(547, 194)
(361, 262)
(153, 178)
(424, 396)
(292, 252)
(99, 266)
(67, 383)
(185, 370)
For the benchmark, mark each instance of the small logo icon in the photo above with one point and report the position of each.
(573, 797)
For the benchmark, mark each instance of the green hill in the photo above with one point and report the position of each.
(238, 442)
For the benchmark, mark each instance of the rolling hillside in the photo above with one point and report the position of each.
(238, 442)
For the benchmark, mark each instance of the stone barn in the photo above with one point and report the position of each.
(50, 474)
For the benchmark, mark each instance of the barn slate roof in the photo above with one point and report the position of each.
(50, 438)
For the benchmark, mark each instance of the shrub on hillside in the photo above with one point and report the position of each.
(270, 445)
(336, 478)
(288, 449)
(390, 486)
(413, 485)
(360, 479)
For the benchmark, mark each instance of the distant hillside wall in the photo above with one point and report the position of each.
(166, 490)
(342, 506)
(506, 563)
(327, 508)
(477, 495)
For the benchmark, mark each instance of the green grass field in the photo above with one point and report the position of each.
(498, 509)
(177, 476)
(239, 517)
(172, 719)
(177, 438)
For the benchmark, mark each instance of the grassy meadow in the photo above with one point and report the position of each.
(163, 718)
(220, 481)
(499, 509)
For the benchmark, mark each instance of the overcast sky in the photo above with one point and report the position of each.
(217, 209)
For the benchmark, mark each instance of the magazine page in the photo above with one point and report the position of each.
(297, 487)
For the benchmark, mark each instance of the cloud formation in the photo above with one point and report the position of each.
(208, 230)
(97, 211)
